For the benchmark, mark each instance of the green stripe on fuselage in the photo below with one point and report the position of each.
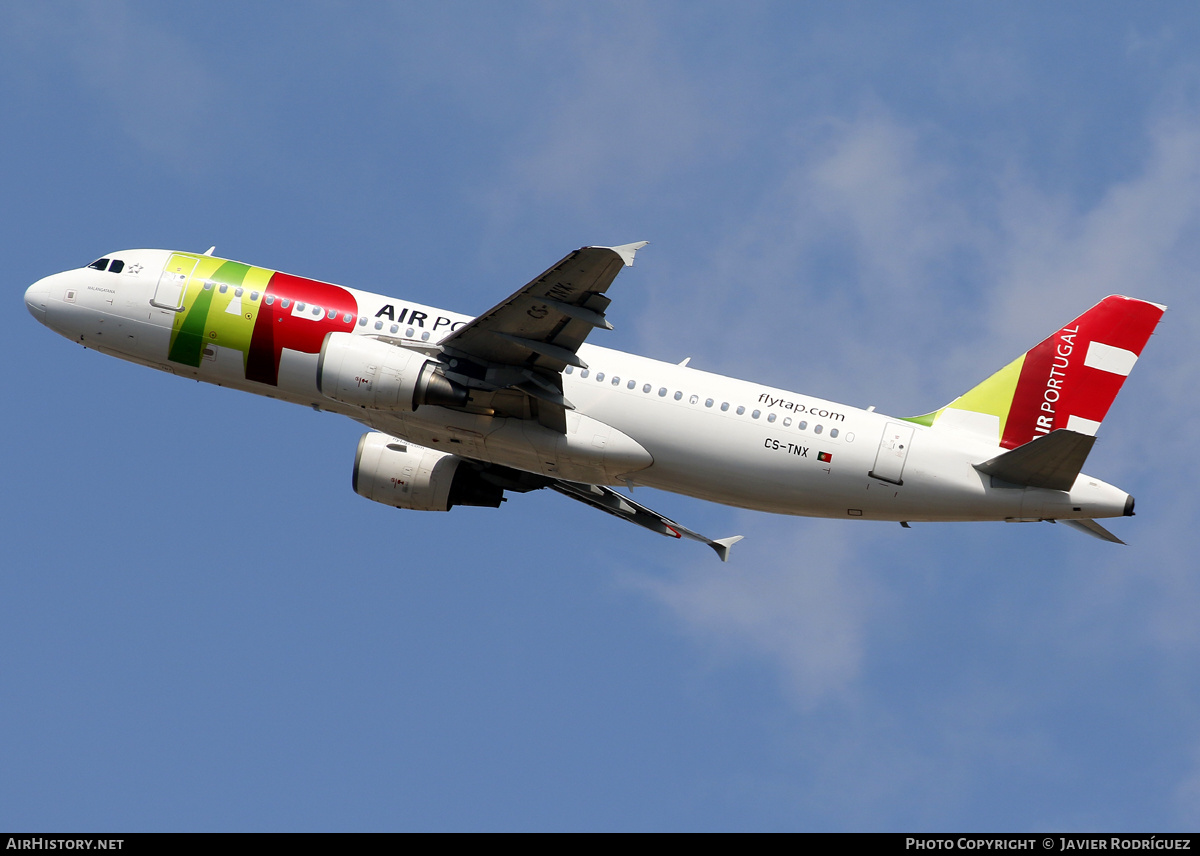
(188, 344)
(207, 319)
(231, 318)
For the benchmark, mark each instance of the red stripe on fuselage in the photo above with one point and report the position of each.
(277, 328)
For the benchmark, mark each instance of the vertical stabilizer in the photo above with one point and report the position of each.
(1067, 381)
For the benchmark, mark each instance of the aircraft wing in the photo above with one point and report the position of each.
(544, 323)
(619, 505)
(526, 341)
(597, 496)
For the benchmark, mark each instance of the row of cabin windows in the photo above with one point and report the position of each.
(394, 329)
(801, 425)
(317, 311)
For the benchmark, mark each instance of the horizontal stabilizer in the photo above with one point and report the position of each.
(1052, 461)
(1091, 527)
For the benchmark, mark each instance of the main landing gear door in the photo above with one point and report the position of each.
(893, 450)
(173, 282)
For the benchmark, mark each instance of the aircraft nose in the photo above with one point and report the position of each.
(36, 298)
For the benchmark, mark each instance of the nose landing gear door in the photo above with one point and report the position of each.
(173, 282)
(893, 451)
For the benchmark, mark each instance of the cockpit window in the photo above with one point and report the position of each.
(103, 264)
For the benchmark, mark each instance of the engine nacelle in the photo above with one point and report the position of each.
(404, 475)
(369, 373)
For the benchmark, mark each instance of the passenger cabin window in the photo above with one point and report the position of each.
(833, 432)
(570, 369)
(631, 384)
(741, 410)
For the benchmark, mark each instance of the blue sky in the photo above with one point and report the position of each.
(205, 628)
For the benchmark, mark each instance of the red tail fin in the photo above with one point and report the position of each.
(1071, 379)
(1067, 381)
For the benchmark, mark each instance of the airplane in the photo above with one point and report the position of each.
(463, 410)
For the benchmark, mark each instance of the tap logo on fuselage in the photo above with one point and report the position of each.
(258, 312)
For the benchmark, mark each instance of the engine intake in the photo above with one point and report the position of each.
(369, 373)
(404, 475)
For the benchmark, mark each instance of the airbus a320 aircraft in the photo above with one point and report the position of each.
(464, 409)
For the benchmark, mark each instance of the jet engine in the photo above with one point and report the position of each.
(398, 473)
(369, 373)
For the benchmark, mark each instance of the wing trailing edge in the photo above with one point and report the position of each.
(617, 504)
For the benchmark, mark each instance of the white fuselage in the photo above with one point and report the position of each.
(636, 421)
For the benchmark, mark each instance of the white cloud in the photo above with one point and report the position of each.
(1053, 258)
(848, 275)
(876, 192)
(796, 593)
